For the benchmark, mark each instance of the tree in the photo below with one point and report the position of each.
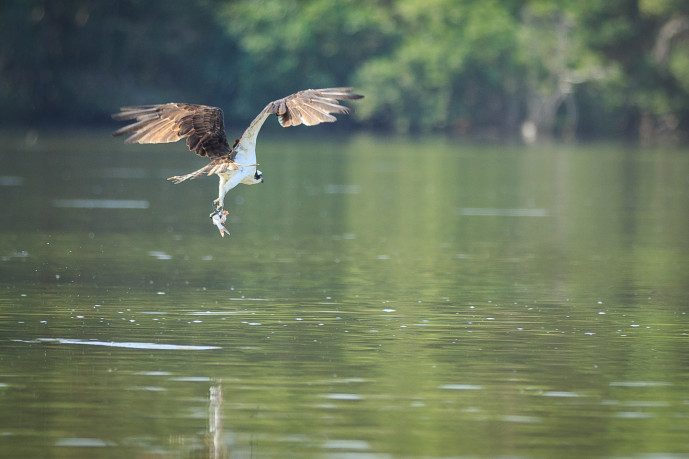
(451, 70)
(555, 60)
(288, 45)
(468, 67)
(638, 35)
(75, 61)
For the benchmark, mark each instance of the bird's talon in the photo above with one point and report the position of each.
(217, 208)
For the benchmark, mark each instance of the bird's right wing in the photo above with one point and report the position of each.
(309, 107)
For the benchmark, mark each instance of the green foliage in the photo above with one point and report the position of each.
(287, 45)
(75, 61)
(474, 67)
(451, 59)
(679, 69)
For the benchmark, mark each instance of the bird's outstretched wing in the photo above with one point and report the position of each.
(201, 125)
(311, 106)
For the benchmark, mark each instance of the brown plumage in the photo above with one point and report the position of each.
(204, 128)
(201, 125)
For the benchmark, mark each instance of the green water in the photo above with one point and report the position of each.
(377, 298)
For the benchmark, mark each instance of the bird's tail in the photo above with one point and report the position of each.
(217, 166)
(192, 175)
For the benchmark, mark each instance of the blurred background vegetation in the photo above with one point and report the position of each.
(476, 68)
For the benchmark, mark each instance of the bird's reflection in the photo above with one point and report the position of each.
(216, 445)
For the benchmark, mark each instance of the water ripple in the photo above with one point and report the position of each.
(128, 345)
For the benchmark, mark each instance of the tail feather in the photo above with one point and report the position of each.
(192, 175)
(217, 166)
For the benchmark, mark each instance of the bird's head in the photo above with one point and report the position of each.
(258, 176)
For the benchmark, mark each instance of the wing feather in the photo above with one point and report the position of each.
(311, 106)
(201, 125)
(153, 132)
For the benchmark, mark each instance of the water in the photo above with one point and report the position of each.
(377, 298)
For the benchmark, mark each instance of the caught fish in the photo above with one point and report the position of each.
(218, 219)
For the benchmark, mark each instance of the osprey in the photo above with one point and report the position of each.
(204, 129)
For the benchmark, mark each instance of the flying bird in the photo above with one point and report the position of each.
(204, 129)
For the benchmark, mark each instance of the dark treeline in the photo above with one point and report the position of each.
(490, 68)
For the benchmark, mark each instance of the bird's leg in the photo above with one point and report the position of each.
(218, 203)
(219, 215)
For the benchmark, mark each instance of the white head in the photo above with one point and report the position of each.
(258, 177)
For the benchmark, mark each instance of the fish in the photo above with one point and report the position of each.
(218, 219)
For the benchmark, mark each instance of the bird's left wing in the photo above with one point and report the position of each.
(201, 125)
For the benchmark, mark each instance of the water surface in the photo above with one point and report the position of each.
(377, 298)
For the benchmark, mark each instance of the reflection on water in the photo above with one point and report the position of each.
(134, 345)
(102, 203)
(216, 442)
(483, 302)
(11, 181)
(503, 212)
